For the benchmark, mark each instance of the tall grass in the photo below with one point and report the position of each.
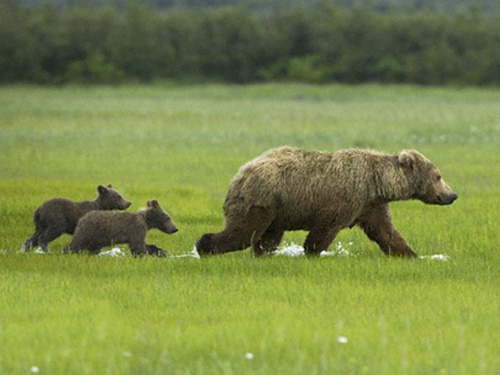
(234, 314)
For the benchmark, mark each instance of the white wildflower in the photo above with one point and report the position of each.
(342, 340)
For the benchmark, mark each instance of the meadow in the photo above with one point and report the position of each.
(234, 314)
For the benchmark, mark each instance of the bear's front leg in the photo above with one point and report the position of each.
(377, 225)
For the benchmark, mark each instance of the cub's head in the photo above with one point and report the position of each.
(157, 218)
(426, 179)
(111, 199)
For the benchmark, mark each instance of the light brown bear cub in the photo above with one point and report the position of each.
(60, 215)
(99, 229)
(291, 189)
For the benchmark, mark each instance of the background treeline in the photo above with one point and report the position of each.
(266, 5)
(323, 43)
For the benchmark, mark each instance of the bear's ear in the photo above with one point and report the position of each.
(406, 159)
(109, 186)
(154, 204)
(102, 190)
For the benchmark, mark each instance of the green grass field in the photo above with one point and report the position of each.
(234, 314)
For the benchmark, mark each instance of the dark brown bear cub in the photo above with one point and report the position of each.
(99, 229)
(291, 189)
(60, 215)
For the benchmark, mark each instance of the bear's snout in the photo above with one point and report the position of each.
(447, 199)
(168, 227)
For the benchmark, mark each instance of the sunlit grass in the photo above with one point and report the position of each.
(181, 145)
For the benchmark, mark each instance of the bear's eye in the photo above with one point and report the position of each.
(438, 178)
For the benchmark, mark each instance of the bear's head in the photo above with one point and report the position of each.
(157, 218)
(111, 199)
(425, 178)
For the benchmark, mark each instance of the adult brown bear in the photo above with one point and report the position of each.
(292, 189)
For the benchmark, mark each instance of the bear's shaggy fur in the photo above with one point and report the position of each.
(60, 215)
(291, 189)
(99, 229)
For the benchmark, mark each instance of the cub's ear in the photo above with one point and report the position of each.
(102, 190)
(154, 204)
(406, 159)
(109, 186)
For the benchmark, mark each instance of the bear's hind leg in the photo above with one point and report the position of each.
(72, 247)
(26, 246)
(29, 243)
(239, 234)
(269, 242)
(319, 238)
(260, 218)
(230, 239)
(49, 235)
(78, 244)
(33, 241)
(138, 248)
